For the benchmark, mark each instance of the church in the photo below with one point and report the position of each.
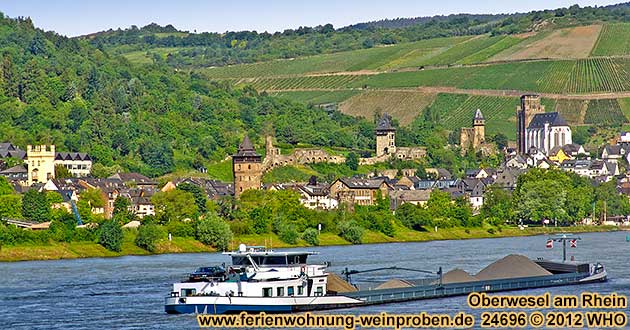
(546, 131)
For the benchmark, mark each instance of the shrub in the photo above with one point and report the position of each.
(148, 235)
(311, 236)
(351, 232)
(491, 231)
(214, 231)
(241, 227)
(111, 236)
(181, 229)
(288, 233)
(63, 229)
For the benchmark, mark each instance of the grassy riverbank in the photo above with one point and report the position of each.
(72, 250)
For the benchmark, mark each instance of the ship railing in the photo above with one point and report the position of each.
(433, 291)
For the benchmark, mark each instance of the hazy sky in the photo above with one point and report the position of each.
(77, 17)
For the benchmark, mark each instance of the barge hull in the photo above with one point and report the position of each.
(231, 305)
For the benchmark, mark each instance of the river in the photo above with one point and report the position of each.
(128, 292)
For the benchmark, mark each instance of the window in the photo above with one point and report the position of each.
(300, 290)
(319, 291)
(188, 292)
(290, 291)
(280, 292)
(267, 292)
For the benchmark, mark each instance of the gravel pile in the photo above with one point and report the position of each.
(512, 266)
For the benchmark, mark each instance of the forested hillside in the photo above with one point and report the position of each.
(149, 119)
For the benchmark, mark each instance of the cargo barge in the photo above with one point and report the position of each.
(262, 280)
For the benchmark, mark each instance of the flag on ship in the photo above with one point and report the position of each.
(549, 244)
(573, 243)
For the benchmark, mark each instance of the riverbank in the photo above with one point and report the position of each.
(56, 250)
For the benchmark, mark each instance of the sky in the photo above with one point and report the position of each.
(79, 17)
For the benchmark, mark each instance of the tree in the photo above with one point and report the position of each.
(352, 161)
(174, 205)
(311, 236)
(158, 155)
(121, 207)
(213, 231)
(351, 232)
(5, 187)
(11, 206)
(61, 172)
(501, 140)
(94, 198)
(542, 200)
(35, 206)
(111, 236)
(497, 204)
(54, 197)
(198, 193)
(413, 216)
(148, 235)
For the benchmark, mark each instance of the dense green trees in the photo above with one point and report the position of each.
(174, 205)
(151, 119)
(214, 231)
(111, 236)
(35, 206)
(148, 236)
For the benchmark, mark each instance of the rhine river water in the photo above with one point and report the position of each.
(128, 292)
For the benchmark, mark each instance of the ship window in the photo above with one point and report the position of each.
(300, 290)
(319, 291)
(280, 291)
(188, 292)
(267, 292)
(290, 291)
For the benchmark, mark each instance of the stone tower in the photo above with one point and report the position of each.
(385, 136)
(41, 163)
(246, 167)
(479, 130)
(530, 105)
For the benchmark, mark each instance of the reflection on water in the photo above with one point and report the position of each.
(128, 292)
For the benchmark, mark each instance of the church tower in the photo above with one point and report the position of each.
(479, 129)
(246, 167)
(530, 106)
(385, 136)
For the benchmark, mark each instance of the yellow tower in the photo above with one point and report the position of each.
(41, 163)
(246, 167)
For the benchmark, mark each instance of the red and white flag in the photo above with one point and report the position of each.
(573, 243)
(549, 244)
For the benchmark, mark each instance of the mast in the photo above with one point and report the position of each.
(564, 238)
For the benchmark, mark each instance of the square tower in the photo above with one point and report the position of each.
(246, 167)
(385, 136)
(530, 106)
(40, 160)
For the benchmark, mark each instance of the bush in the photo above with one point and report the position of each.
(181, 229)
(214, 231)
(64, 228)
(148, 235)
(288, 233)
(351, 232)
(311, 236)
(241, 227)
(111, 236)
